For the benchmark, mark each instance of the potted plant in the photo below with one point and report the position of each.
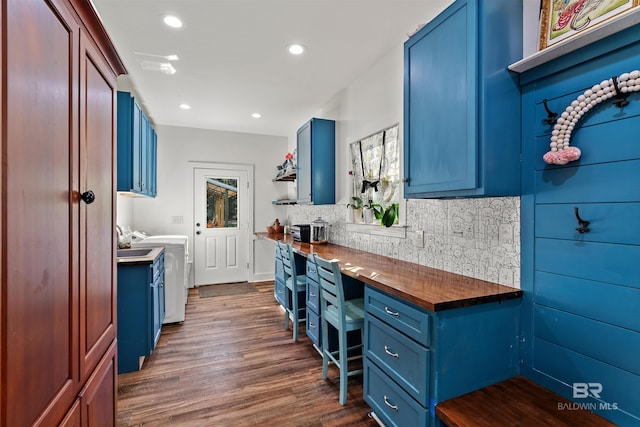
(355, 210)
(390, 215)
(371, 210)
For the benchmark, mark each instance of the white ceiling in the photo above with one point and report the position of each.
(233, 59)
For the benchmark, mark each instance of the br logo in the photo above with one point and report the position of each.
(584, 390)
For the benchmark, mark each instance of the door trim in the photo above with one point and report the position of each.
(248, 168)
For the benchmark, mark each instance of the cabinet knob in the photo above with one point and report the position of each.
(88, 197)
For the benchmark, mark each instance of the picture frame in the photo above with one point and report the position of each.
(561, 19)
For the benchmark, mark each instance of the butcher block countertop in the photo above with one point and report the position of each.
(433, 289)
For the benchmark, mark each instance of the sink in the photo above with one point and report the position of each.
(128, 253)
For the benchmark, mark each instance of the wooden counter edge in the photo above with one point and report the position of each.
(511, 293)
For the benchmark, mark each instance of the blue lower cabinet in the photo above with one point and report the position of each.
(389, 401)
(313, 304)
(140, 311)
(415, 358)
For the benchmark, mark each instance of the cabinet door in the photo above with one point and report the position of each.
(39, 212)
(97, 219)
(153, 160)
(136, 149)
(440, 104)
(303, 167)
(98, 398)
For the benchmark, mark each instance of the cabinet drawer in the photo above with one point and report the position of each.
(313, 327)
(404, 360)
(313, 295)
(311, 271)
(392, 404)
(280, 293)
(400, 315)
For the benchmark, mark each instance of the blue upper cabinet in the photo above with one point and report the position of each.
(137, 148)
(461, 104)
(316, 166)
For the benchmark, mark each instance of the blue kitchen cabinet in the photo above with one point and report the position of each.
(415, 358)
(316, 168)
(461, 104)
(137, 149)
(141, 310)
(582, 289)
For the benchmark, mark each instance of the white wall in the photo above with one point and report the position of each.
(176, 147)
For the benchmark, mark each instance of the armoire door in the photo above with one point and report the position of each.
(97, 232)
(40, 240)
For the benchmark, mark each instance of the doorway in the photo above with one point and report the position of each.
(222, 214)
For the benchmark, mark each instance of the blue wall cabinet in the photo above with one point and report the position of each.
(316, 165)
(137, 149)
(414, 358)
(141, 311)
(461, 104)
(582, 290)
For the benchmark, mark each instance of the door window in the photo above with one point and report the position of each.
(222, 202)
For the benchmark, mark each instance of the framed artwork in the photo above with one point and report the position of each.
(561, 19)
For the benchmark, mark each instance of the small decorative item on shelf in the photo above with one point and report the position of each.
(276, 228)
(355, 210)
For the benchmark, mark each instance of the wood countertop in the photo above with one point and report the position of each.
(426, 287)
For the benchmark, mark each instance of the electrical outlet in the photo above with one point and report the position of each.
(418, 238)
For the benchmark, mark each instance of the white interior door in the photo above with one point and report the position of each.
(220, 225)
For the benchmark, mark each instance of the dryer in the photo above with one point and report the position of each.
(176, 256)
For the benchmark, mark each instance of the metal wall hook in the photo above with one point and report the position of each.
(621, 98)
(584, 225)
(551, 116)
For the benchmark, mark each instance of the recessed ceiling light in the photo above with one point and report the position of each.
(167, 68)
(256, 115)
(172, 57)
(185, 106)
(296, 49)
(172, 21)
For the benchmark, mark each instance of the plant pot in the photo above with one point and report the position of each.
(367, 215)
(356, 215)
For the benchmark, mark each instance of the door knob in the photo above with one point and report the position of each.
(198, 232)
(88, 197)
(197, 224)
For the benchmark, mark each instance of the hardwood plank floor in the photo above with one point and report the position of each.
(232, 363)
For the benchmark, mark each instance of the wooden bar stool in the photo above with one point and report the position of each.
(297, 284)
(279, 287)
(343, 315)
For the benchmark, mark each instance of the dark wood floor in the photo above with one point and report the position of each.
(232, 363)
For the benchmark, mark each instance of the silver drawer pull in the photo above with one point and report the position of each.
(312, 295)
(311, 325)
(386, 350)
(386, 402)
(391, 313)
(280, 292)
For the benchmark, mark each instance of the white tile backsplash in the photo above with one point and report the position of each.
(478, 238)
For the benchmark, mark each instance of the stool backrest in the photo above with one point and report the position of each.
(332, 292)
(280, 275)
(286, 252)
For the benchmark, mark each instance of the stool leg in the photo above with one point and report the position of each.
(344, 365)
(325, 348)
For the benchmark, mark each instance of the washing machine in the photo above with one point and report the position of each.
(176, 258)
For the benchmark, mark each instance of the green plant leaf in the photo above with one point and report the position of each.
(389, 216)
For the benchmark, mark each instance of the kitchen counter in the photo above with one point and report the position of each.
(426, 287)
(148, 259)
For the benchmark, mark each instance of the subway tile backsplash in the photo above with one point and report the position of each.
(478, 238)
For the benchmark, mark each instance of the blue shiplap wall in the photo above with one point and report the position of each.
(581, 317)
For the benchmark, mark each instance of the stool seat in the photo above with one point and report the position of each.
(301, 283)
(353, 314)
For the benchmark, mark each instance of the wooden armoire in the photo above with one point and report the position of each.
(57, 301)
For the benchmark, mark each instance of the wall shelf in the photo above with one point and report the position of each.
(287, 177)
(284, 202)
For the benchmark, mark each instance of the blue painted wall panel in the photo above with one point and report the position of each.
(609, 222)
(613, 345)
(602, 262)
(606, 182)
(618, 386)
(616, 305)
